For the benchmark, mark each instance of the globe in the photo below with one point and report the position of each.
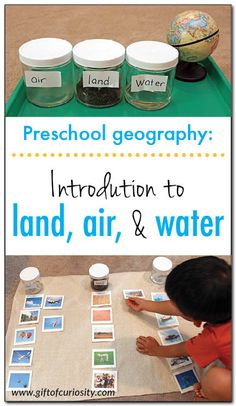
(195, 34)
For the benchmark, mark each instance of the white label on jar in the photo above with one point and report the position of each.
(150, 83)
(42, 79)
(100, 79)
(102, 282)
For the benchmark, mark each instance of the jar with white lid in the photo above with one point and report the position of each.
(98, 72)
(161, 267)
(150, 74)
(48, 71)
(30, 278)
(99, 274)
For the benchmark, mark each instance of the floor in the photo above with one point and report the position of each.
(123, 23)
(79, 265)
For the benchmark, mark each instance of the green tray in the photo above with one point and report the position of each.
(210, 97)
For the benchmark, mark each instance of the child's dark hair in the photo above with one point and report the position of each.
(201, 289)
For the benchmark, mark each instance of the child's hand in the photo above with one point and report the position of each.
(147, 345)
(135, 303)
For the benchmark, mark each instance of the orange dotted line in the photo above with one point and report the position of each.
(120, 154)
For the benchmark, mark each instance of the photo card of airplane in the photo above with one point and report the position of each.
(53, 302)
(21, 357)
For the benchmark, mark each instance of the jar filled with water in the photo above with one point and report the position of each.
(150, 74)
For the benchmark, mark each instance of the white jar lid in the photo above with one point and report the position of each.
(29, 274)
(162, 264)
(45, 52)
(152, 55)
(99, 53)
(98, 271)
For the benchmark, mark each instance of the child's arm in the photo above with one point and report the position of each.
(149, 346)
(164, 307)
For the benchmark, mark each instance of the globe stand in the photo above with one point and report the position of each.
(190, 71)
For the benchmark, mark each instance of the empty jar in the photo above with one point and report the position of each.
(98, 71)
(48, 71)
(161, 267)
(30, 278)
(150, 74)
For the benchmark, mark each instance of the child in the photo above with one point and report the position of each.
(200, 291)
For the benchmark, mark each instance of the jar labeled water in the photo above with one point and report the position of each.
(48, 71)
(161, 267)
(98, 71)
(150, 74)
(30, 278)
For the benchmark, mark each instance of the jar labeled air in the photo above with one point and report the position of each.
(99, 274)
(30, 278)
(150, 74)
(48, 71)
(98, 72)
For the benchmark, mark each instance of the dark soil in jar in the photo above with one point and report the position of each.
(98, 96)
(99, 287)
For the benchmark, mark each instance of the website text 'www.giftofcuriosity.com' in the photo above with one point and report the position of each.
(57, 393)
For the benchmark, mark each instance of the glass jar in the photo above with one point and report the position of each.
(150, 74)
(161, 267)
(99, 274)
(98, 72)
(48, 71)
(30, 278)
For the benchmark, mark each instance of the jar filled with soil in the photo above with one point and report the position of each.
(99, 275)
(98, 72)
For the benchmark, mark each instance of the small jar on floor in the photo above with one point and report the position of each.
(30, 278)
(99, 274)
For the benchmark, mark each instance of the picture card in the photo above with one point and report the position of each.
(103, 333)
(104, 358)
(33, 301)
(186, 379)
(29, 316)
(159, 296)
(101, 315)
(133, 293)
(19, 380)
(101, 299)
(164, 320)
(52, 323)
(178, 362)
(21, 357)
(105, 380)
(53, 302)
(170, 336)
(25, 336)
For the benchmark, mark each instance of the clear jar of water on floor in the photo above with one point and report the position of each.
(161, 267)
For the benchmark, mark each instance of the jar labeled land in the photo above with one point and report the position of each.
(98, 72)
(30, 278)
(150, 74)
(99, 274)
(48, 71)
